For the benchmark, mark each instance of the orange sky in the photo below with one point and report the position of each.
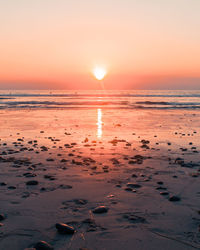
(142, 44)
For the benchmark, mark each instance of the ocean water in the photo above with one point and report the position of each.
(130, 99)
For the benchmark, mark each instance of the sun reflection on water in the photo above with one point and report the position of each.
(99, 123)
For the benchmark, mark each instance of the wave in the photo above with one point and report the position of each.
(117, 99)
(76, 95)
(95, 103)
(5, 98)
(170, 103)
(98, 102)
(104, 107)
(153, 103)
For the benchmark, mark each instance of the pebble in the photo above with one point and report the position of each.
(128, 189)
(195, 175)
(100, 210)
(64, 186)
(164, 193)
(63, 160)
(29, 175)
(3, 184)
(161, 188)
(32, 182)
(2, 217)
(134, 176)
(11, 187)
(174, 198)
(80, 201)
(43, 245)
(64, 228)
(49, 159)
(133, 185)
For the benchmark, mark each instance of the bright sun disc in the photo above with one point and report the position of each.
(99, 73)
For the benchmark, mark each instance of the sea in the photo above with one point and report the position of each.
(126, 99)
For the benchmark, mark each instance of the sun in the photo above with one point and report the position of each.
(99, 73)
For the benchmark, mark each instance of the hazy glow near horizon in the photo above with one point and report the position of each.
(59, 42)
(99, 73)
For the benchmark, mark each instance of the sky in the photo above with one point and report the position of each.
(56, 44)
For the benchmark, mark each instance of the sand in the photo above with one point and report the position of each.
(57, 166)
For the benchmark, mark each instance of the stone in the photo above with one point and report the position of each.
(11, 187)
(100, 210)
(134, 176)
(32, 183)
(63, 160)
(29, 175)
(49, 159)
(133, 185)
(174, 198)
(43, 245)
(161, 188)
(3, 184)
(64, 186)
(64, 228)
(164, 193)
(2, 217)
(128, 189)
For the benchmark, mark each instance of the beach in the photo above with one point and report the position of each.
(120, 174)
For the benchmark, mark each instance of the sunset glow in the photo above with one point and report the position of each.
(145, 44)
(99, 73)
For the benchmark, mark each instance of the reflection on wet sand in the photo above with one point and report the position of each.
(99, 123)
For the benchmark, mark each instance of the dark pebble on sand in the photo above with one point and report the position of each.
(11, 187)
(80, 201)
(195, 175)
(3, 184)
(134, 176)
(49, 159)
(133, 185)
(161, 188)
(63, 160)
(174, 198)
(28, 175)
(100, 210)
(64, 228)
(2, 217)
(128, 189)
(164, 193)
(29, 183)
(64, 186)
(43, 245)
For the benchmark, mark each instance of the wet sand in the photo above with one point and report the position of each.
(140, 167)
